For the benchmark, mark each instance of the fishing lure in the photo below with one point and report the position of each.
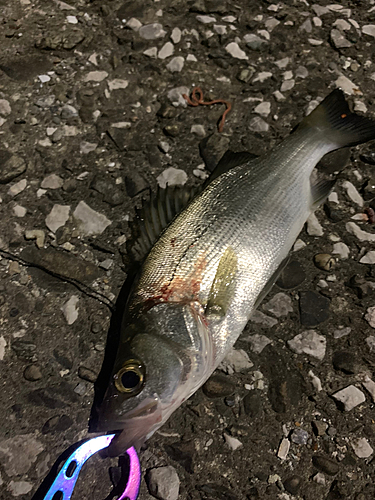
(64, 483)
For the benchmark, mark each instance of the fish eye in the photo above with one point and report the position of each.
(130, 378)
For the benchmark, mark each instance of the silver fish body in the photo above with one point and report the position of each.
(203, 277)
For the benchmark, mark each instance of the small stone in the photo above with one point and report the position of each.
(353, 193)
(310, 343)
(18, 453)
(232, 442)
(36, 234)
(349, 397)
(360, 106)
(206, 19)
(237, 360)
(176, 96)
(152, 31)
(342, 25)
(293, 484)
(57, 217)
(347, 86)
(361, 446)
(341, 332)
(57, 424)
(316, 382)
(176, 64)
(218, 386)
(263, 109)
(280, 305)
(80, 389)
(198, 130)
(319, 478)
(319, 427)
(283, 450)
(338, 40)
(287, 85)
(87, 147)
(370, 316)
(341, 250)
(255, 42)
(90, 222)
(234, 50)
(353, 228)
(11, 166)
(324, 261)
(370, 341)
(369, 29)
(117, 84)
(19, 211)
(257, 124)
(3, 344)
(314, 308)
(176, 35)
(69, 309)
(172, 177)
(44, 78)
(166, 51)
(95, 76)
(32, 373)
(72, 19)
(368, 258)
(220, 29)
(151, 52)
(17, 188)
(191, 58)
(262, 76)
(18, 488)
(258, 342)
(134, 24)
(282, 63)
(299, 436)
(263, 319)
(87, 374)
(306, 26)
(369, 385)
(314, 228)
(163, 483)
(5, 108)
(52, 181)
(325, 464)
(302, 72)
(292, 275)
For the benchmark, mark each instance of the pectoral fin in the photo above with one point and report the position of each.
(223, 286)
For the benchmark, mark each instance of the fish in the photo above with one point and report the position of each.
(210, 268)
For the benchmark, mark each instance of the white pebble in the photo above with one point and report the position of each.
(263, 109)
(70, 310)
(352, 192)
(206, 19)
(134, 24)
(72, 19)
(370, 316)
(234, 50)
(166, 51)
(95, 76)
(347, 86)
(176, 64)
(369, 385)
(172, 177)
(369, 29)
(232, 442)
(176, 35)
(341, 250)
(368, 258)
(262, 76)
(283, 450)
(298, 245)
(287, 85)
(310, 343)
(117, 84)
(52, 181)
(353, 228)
(362, 447)
(350, 397)
(151, 52)
(191, 58)
(17, 188)
(316, 382)
(314, 228)
(90, 222)
(5, 108)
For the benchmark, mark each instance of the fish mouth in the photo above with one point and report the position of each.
(137, 426)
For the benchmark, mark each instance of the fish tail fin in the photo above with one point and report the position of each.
(339, 125)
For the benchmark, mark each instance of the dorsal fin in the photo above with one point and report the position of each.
(155, 215)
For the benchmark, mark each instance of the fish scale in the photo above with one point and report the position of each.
(205, 274)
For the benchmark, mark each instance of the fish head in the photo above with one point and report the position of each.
(153, 374)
